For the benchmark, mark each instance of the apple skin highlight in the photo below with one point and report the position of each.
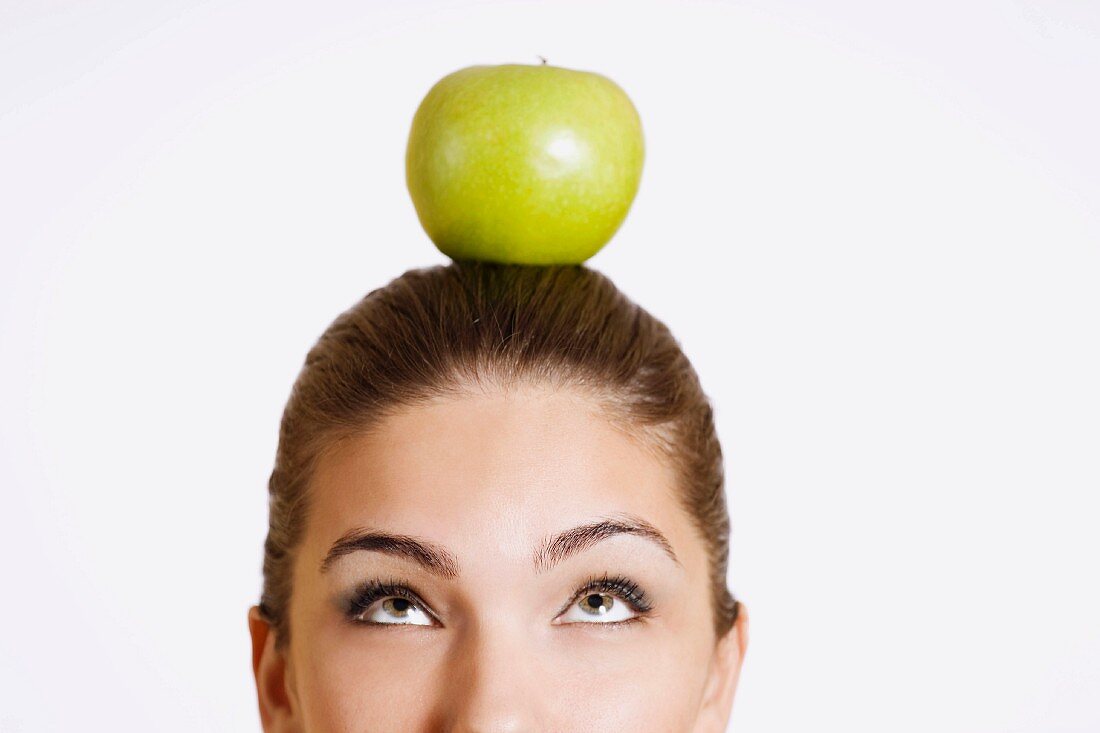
(524, 163)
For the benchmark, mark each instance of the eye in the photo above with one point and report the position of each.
(394, 611)
(607, 601)
(388, 605)
(599, 608)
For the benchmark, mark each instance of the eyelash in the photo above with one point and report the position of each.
(617, 585)
(620, 586)
(367, 593)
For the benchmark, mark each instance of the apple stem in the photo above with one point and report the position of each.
(543, 60)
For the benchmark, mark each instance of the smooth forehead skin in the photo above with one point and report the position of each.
(490, 477)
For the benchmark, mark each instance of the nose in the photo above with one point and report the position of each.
(494, 684)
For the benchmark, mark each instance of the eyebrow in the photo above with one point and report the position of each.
(439, 561)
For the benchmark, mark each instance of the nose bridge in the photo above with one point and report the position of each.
(490, 690)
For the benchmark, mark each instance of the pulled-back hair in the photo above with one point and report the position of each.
(447, 329)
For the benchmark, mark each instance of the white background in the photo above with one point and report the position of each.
(873, 226)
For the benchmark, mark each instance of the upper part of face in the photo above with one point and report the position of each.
(488, 480)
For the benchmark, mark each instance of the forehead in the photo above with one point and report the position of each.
(491, 473)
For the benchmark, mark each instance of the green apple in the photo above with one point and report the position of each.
(524, 163)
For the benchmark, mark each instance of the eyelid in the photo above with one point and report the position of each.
(368, 594)
(618, 586)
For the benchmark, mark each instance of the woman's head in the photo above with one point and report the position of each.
(497, 505)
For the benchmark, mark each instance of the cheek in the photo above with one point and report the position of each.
(639, 680)
(369, 680)
(651, 683)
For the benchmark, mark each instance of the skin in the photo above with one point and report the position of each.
(487, 479)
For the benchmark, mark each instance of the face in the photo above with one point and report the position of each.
(499, 563)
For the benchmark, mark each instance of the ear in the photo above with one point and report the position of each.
(270, 670)
(725, 670)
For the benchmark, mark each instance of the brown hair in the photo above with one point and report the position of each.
(439, 330)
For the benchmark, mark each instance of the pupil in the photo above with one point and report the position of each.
(401, 604)
(594, 601)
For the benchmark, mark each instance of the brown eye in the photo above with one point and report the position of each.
(398, 607)
(601, 608)
(597, 604)
(394, 611)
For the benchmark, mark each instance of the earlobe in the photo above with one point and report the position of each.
(269, 669)
(725, 671)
